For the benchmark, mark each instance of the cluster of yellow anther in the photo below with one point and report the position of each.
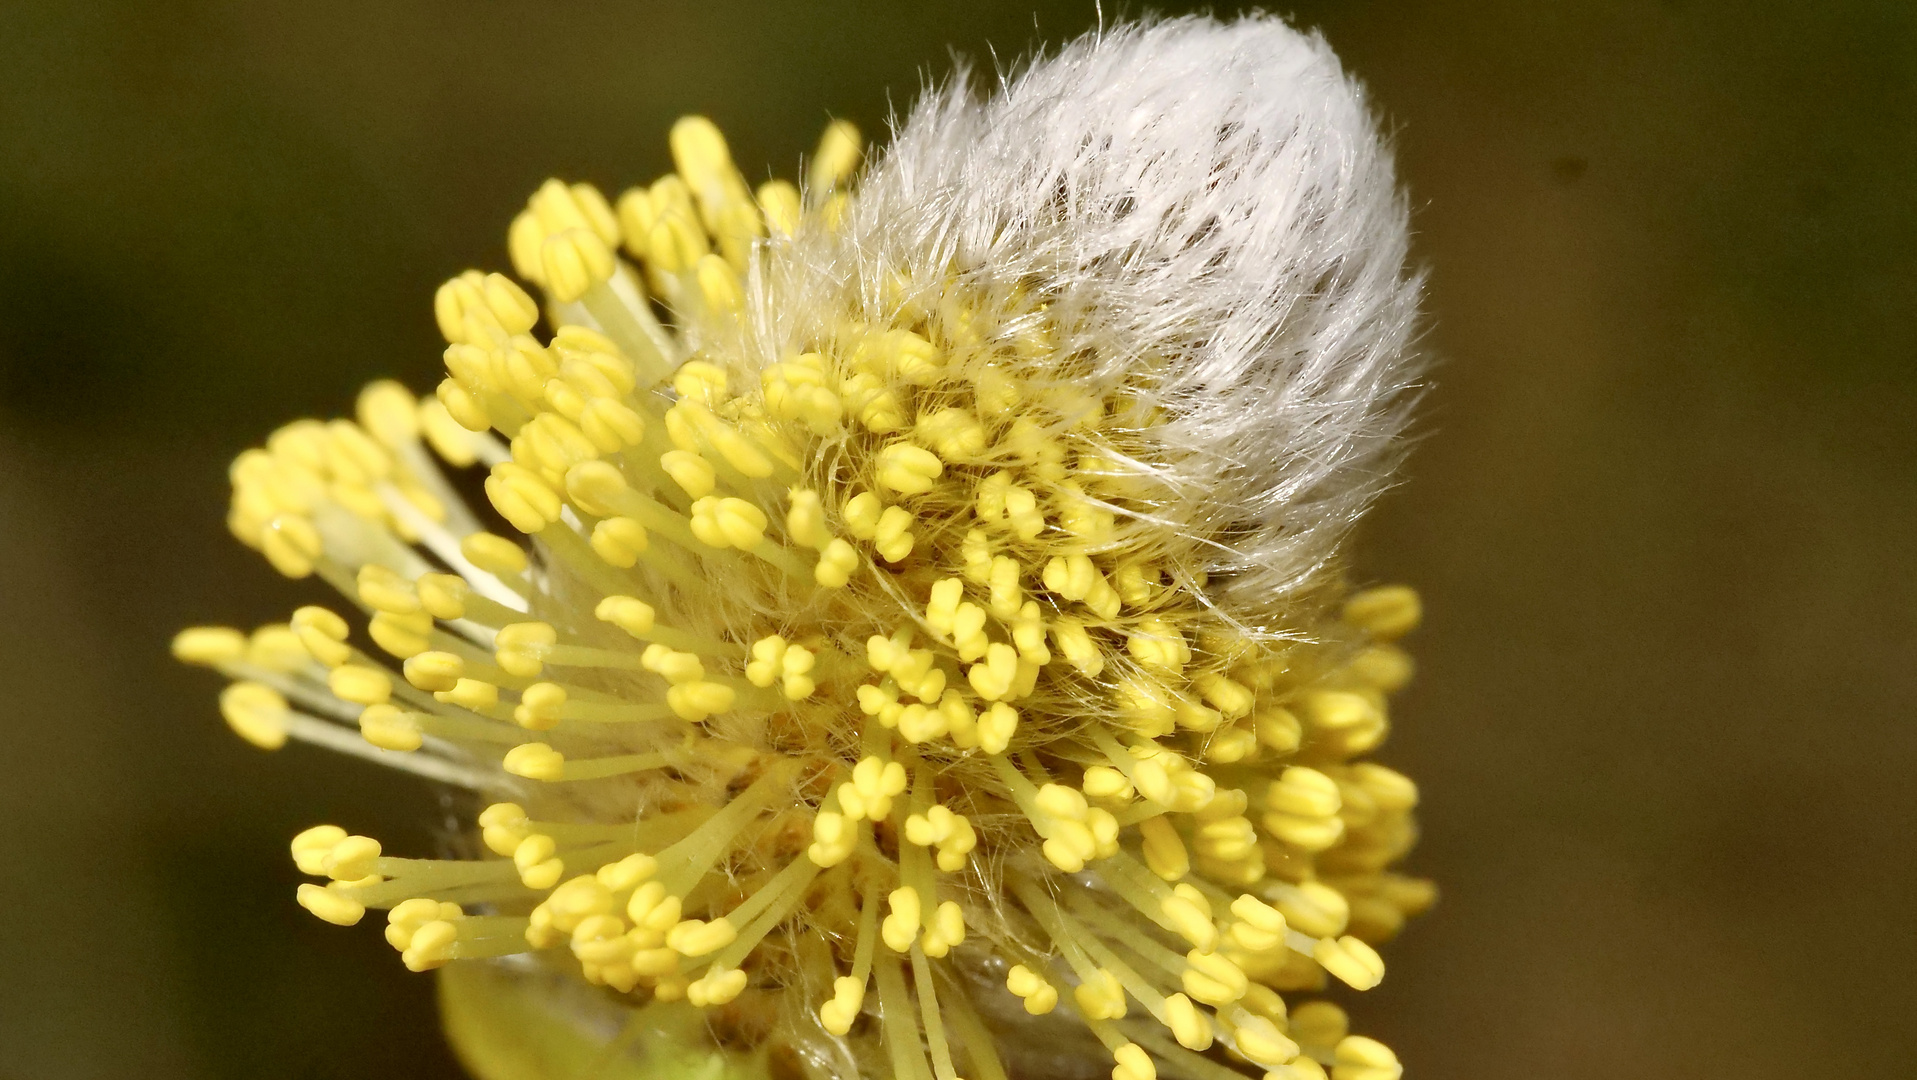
(876, 639)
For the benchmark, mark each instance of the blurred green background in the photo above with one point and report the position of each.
(1663, 513)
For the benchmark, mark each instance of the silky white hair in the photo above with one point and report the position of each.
(1210, 202)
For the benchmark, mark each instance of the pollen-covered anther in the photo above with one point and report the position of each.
(257, 713)
(423, 931)
(1167, 778)
(944, 930)
(1277, 729)
(717, 987)
(1189, 914)
(323, 633)
(996, 726)
(775, 661)
(834, 837)
(1076, 577)
(1132, 1063)
(620, 541)
(842, 1008)
(892, 535)
(1386, 612)
(331, 905)
(1314, 908)
(535, 761)
(995, 676)
(291, 544)
(952, 433)
(360, 684)
(434, 671)
(1359, 1058)
(1301, 808)
(901, 926)
(1231, 698)
(693, 938)
(476, 306)
(477, 695)
(1225, 839)
(521, 648)
(522, 497)
(728, 523)
(502, 826)
(837, 562)
(910, 669)
(1040, 997)
(908, 469)
(209, 646)
(1099, 996)
(1355, 963)
(1258, 926)
(1074, 832)
(329, 851)
(1106, 784)
(653, 909)
(390, 728)
(1213, 979)
(536, 858)
(1075, 644)
(1356, 721)
(1164, 849)
(634, 616)
(800, 389)
(1191, 1027)
(998, 500)
(950, 833)
(874, 784)
(540, 706)
(443, 596)
(690, 696)
(1258, 1039)
(1155, 643)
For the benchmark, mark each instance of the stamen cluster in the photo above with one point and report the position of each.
(869, 689)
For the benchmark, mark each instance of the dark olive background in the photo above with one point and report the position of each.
(1662, 513)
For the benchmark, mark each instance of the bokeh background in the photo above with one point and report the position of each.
(1662, 513)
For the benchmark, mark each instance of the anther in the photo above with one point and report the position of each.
(291, 544)
(1361, 1058)
(331, 905)
(434, 671)
(494, 554)
(694, 474)
(1355, 963)
(257, 713)
(537, 861)
(908, 469)
(360, 684)
(474, 694)
(1387, 612)
(1301, 808)
(620, 541)
(632, 615)
(535, 761)
(209, 646)
(1189, 1026)
(521, 648)
(1100, 997)
(1133, 1063)
(539, 706)
(717, 987)
(388, 728)
(1040, 997)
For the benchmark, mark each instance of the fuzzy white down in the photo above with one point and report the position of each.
(1210, 199)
